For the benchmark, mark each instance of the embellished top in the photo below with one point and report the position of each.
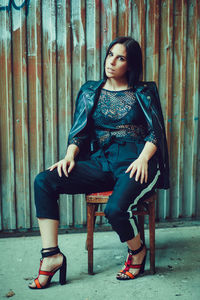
(118, 116)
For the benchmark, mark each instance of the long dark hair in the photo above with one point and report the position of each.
(134, 58)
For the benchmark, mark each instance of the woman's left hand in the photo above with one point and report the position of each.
(140, 167)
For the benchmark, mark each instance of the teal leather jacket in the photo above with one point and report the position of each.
(148, 98)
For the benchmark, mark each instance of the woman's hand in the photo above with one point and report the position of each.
(66, 165)
(140, 167)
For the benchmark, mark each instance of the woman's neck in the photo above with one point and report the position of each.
(115, 85)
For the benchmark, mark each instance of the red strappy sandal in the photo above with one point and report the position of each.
(63, 269)
(125, 274)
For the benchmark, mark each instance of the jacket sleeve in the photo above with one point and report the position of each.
(79, 139)
(158, 122)
(151, 137)
(79, 133)
(149, 100)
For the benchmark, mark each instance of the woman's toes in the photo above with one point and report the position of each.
(121, 275)
(32, 285)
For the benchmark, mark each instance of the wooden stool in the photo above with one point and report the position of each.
(148, 208)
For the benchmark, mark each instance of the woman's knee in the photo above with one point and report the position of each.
(112, 213)
(41, 180)
(45, 196)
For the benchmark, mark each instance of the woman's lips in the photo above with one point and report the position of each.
(109, 70)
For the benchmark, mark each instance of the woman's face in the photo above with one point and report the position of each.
(116, 65)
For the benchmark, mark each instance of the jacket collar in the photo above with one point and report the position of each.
(94, 85)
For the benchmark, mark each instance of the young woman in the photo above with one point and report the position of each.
(117, 142)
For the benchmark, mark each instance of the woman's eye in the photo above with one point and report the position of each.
(121, 58)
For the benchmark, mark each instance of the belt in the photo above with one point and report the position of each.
(104, 141)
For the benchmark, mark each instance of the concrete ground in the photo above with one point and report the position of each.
(177, 268)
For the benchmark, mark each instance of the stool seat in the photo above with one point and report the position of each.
(98, 197)
(145, 207)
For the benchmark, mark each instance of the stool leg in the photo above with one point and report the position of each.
(96, 208)
(141, 223)
(152, 235)
(90, 230)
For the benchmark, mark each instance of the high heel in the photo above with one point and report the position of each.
(63, 269)
(125, 274)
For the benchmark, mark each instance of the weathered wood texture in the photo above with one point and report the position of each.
(48, 49)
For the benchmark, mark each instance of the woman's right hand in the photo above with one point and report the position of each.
(66, 165)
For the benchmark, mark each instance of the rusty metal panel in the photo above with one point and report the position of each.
(48, 49)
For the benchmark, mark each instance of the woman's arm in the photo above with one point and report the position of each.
(68, 162)
(72, 151)
(140, 165)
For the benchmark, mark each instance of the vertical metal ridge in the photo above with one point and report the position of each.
(196, 108)
(64, 61)
(169, 87)
(49, 82)
(21, 117)
(156, 39)
(182, 65)
(142, 31)
(78, 13)
(175, 122)
(34, 66)
(8, 209)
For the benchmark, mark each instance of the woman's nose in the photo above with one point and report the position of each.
(112, 61)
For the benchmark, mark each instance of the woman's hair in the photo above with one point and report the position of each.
(134, 58)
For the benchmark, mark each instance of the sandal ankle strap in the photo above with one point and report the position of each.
(50, 251)
(134, 252)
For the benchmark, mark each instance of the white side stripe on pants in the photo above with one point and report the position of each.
(143, 192)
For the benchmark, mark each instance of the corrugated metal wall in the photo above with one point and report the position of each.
(49, 48)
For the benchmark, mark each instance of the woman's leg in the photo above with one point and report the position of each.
(138, 258)
(49, 235)
(127, 191)
(49, 232)
(86, 177)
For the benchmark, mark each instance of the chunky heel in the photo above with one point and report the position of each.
(63, 271)
(143, 266)
(46, 252)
